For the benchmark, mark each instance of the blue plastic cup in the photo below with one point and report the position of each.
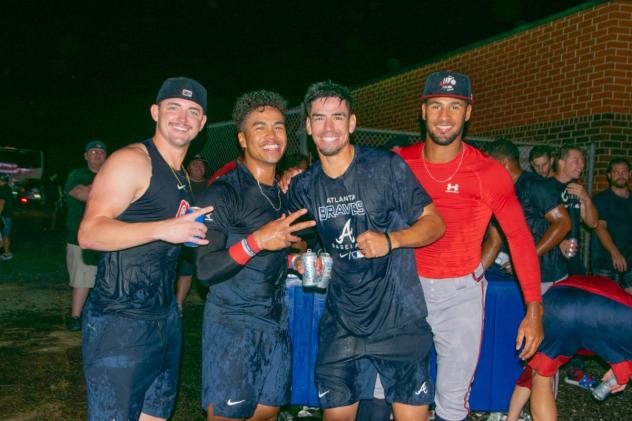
(199, 219)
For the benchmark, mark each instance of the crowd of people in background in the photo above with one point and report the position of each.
(411, 233)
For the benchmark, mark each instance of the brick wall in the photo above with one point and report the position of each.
(565, 80)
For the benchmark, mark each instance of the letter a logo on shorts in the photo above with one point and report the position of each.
(423, 388)
(347, 232)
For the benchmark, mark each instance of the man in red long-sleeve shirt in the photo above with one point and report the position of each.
(467, 187)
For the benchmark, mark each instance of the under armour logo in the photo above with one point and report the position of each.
(452, 188)
(187, 93)
(423, 388)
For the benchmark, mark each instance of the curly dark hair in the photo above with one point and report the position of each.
(327, 89)
(256, 100)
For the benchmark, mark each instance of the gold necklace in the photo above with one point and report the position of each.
(423, 159)
(268, 199)
(180, 184)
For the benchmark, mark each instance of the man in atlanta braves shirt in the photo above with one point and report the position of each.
(370, 212)
(467, 187)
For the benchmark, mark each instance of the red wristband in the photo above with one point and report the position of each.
(244, 250)
(291, 258)
(253, 243)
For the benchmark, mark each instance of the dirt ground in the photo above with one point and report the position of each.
(40, 361)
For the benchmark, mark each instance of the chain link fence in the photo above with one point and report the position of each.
(222, 146)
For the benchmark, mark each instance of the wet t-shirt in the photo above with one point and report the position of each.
(379, 193)
(538, 196)
(254, 293)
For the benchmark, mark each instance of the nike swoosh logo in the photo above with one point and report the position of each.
(181, 186)
(231, 403)
(320, 395)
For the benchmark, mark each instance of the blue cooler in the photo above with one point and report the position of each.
(499, 366)
(304, 310)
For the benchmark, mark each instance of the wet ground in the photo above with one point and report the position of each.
(40, 361)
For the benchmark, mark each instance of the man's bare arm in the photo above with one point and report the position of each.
(618, 260)
(80, 192)
(588, 211)
(123, 179)
(559, 226)
(491, 246)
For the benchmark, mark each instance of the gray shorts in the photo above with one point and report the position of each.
(81, 275)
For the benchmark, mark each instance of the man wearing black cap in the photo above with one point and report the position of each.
(81, 264)
(137, 215)
(467, 187)
(197, 171)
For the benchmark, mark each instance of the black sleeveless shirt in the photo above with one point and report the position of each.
(139, 282)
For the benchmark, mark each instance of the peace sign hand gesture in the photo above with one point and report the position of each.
(279, 234)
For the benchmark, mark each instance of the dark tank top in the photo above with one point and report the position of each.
(138, 282)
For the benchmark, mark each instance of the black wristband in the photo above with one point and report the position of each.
(388, 240)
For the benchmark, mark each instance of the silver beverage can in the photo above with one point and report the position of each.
(601, 391)
(325, 276)
(310, 278)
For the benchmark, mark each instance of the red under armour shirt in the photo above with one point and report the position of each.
(480, 187)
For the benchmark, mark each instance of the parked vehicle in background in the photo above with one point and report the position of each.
(25, 168)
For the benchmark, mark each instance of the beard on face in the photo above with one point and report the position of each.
(448, 140)
(619, 182)
(443, 141)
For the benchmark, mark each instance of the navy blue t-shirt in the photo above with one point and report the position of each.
(617, 212)
(254, 293)
(138, 282)
(538, 196)
(378, 192)
(575, 265)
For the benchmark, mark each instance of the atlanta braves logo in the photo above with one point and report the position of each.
(347, 232)
(182, 208)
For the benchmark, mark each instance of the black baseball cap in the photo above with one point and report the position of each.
(95, 144)
(185, 88)
(197, 157)
(448, 83)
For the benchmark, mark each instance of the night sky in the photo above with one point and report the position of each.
(73, 71)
